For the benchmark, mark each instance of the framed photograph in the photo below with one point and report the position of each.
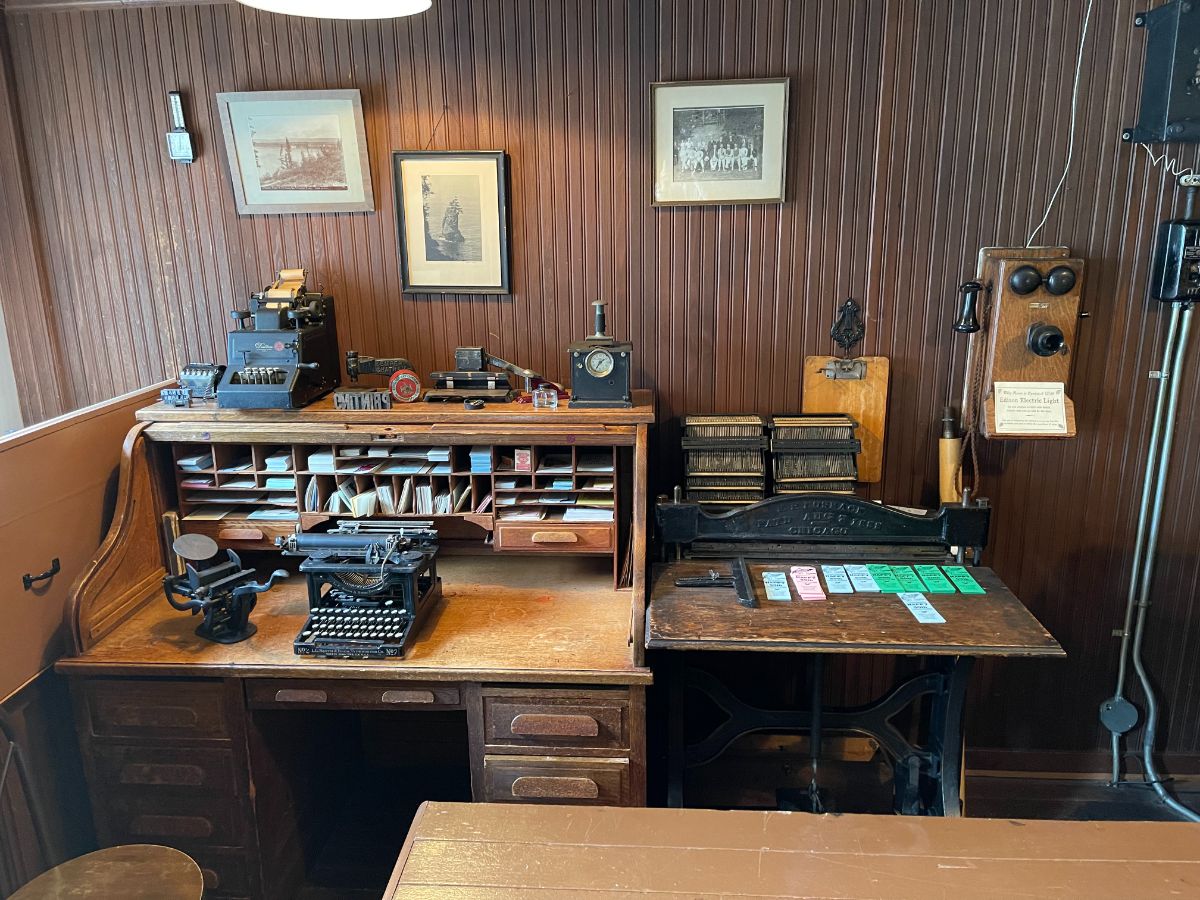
(719, 141)
(296, 151)
(452, 217)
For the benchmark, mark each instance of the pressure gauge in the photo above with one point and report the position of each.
(599, 363)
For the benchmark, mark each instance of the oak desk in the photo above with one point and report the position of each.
(476, 852)
(710, 619)
(525, 683)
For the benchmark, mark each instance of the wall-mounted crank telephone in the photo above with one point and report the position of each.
(1021, 312)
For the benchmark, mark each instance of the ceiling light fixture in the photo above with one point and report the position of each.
(342, 9)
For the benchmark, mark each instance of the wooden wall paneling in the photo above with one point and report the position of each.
(25, 295)
(920, 130)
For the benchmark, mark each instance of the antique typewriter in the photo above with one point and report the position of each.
(283, 351)
(370, 585)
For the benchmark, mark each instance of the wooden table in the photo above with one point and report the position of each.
(710, 619)
(466, 852)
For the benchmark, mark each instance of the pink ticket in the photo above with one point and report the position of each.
(808, 584)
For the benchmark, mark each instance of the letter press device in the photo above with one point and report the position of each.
(283, 351)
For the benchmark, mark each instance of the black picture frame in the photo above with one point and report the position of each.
(493, 238)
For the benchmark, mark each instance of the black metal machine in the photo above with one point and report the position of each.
(471, 379)
(221, 590)
(600, 369)
(197, 381)
(283, 350)
(370, 586)
(404, 385)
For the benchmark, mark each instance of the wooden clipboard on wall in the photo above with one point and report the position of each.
(855, 386)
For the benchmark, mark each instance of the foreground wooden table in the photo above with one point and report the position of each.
(476, 851)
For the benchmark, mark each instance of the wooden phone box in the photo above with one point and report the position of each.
(1028, 309)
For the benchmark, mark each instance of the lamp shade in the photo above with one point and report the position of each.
(342, 9)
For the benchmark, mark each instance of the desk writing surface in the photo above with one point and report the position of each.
(500, 619)
(991, 624)
(502, 850)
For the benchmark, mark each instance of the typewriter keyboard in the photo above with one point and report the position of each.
(349, 632)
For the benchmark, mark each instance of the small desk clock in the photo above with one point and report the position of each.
(600, 369)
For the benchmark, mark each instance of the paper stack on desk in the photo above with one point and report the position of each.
(279, 462)
(195, 463)
(481, 460)
(321, 462)
(586, 514)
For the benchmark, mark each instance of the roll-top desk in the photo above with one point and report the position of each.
(529, 671)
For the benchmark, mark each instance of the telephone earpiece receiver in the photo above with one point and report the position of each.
(1022, 310)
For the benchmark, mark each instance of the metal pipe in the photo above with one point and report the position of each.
(1152, 457)
(1149, 773)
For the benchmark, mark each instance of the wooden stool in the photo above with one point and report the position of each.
(131, 872)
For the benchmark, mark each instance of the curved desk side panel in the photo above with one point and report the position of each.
(128, 569)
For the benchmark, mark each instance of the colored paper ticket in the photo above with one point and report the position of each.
(922, 610)
(935, 581)
(776, 585)
(837, 581)
(884, 578)
(908, 579)
(963, 580)
(808, 585)
(862, 580)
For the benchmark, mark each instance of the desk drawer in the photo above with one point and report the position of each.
(549, 779)
(278, 693)
(203, 770)
(555, 537)
(152, 817)
(582, 721)
(179, 710)
(237, 535)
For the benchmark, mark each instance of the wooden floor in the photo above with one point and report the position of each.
(1005, 797)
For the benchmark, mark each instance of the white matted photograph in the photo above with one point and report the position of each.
(296, 151)
(719, 141)
(452, 216)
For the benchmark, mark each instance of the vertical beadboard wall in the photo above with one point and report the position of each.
(920, 130)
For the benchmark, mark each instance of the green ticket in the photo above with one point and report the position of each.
(963, 580)
(934, 580)
(908, 579)
(885, 579)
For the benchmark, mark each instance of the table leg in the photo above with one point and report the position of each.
(676, 696)
(946, 736)
(816, 676)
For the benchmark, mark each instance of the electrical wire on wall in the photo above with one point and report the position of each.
(1087, 18)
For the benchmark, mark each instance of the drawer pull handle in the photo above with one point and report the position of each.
(294, 695)
(240, 534)
(555, 537)
(555, 787)
(545, 725)
(408, 697)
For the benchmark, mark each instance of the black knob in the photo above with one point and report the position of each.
(1060, 280)
(1045, 340)
(967, 321)
(1025, 280)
